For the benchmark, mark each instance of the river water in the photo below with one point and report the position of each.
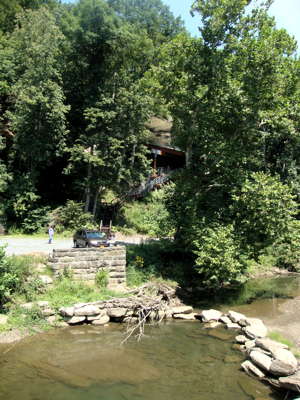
(174, 361)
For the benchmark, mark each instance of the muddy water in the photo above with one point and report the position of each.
(175, 361)
(178, 360)
(276, 301)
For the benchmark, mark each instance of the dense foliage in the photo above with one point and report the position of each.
(234, 97)
(72, 109)
(79, 81)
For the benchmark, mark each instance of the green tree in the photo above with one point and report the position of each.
(151, 15)
(110, 109)
(39, 114)
(234, 98)
(10, 8)
(263, 210)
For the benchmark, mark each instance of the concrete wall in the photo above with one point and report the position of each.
(85, 262)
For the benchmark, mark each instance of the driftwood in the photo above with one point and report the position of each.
(151, 299)
(148, 302)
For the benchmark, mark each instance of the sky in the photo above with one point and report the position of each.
(286, 13)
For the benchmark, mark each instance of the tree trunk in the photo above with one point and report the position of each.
(96, 200)
(88, 184)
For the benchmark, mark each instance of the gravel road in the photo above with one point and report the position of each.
(16, 245)
(33, 245)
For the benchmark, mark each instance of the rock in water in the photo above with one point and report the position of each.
(76, 320)
(284, 364)
(235, 316)
(261, 360)
(210, 315)
(182, 310)
(186, 317)
(251, 369)
(255, 329)
(104, 319)
(117, 312)
(291, 382)
(270, 345)
(66, 311)
(86, 310)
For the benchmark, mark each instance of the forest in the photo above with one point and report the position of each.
(78, 83)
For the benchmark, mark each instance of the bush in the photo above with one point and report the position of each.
(158, 259)
(16, 277)
(71, 217)
(286, 248)
(263, 210)
(101, 278)
(218, 256)
(9, 279)
(149, 216)
(36, 220)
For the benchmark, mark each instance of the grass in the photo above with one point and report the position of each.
(278, 337)
(38, 235)
(67, 292)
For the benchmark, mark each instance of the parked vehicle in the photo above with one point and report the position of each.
(90, 238)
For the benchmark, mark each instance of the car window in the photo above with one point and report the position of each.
(96, 235)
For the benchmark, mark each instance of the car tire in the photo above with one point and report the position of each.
(87, 245)
(76, 245)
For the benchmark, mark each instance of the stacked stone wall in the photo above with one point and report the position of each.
(86, 262)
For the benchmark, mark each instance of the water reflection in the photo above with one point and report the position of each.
(177, 360)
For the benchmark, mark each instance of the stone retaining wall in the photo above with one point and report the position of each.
(85, 263)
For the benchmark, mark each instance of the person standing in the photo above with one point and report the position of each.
(51, 234)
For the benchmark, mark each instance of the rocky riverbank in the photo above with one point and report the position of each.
(265, 359)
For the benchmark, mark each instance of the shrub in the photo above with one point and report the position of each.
(16, 277)
(36, 220)
(218, 258)
(149, 216)
(101, 278)
(9, 279)
(286, 248)
(71, 217)
(262, 211)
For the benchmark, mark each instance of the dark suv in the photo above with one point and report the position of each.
(89, 238)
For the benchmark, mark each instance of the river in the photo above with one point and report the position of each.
(174, 361)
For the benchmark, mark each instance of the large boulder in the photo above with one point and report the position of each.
(210, 315)
(291, 382)
(104, 319)
(117, 312)
(261, 360)
(284, 364)
(46, 312)
(66, 311)
(255, 329)
(235, 316)
(251, 369)
(87, 309)
(225, 319)
(186, 317)
(182, 310)
(241, 339)
(233, 325)
(76, 320)
(270, 345)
